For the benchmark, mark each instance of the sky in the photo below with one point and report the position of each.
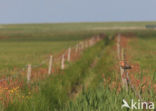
(49, 11)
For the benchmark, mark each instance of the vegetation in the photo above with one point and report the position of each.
(91, 83)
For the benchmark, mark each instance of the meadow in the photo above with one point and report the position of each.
(91, 83)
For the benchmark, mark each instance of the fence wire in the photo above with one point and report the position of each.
(82, 45)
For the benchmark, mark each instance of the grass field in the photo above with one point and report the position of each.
(91, 83)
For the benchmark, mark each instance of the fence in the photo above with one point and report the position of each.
(124, 67)
(55, 63)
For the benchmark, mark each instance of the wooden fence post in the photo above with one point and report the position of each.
(92, 41)
(82, 46)
(122, 71)
(62, 62)
(29, 73)
(50, 65)
(118, 46)
(77, 47)
(89, 42)
(86, 42)
(86, 45)
(69, 53)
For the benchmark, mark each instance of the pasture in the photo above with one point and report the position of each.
(92, 81)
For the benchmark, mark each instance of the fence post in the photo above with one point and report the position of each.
(123, 72)
(118, 46)
(50, 65)
(29, 73)
(62, 62)
(76, 49)
(86, 43)
(81, 45)
(92, 41)
(69, 53)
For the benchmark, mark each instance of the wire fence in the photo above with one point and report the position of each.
(56, 63)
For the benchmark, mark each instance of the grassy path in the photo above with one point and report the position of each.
(102, 88)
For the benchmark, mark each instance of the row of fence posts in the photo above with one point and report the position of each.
(121, 58)
(78, 48)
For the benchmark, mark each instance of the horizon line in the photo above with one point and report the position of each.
(133, 21)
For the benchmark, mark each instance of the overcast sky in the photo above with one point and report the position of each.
(36, 11)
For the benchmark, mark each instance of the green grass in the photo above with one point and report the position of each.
(143, 52)
(19, 54)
